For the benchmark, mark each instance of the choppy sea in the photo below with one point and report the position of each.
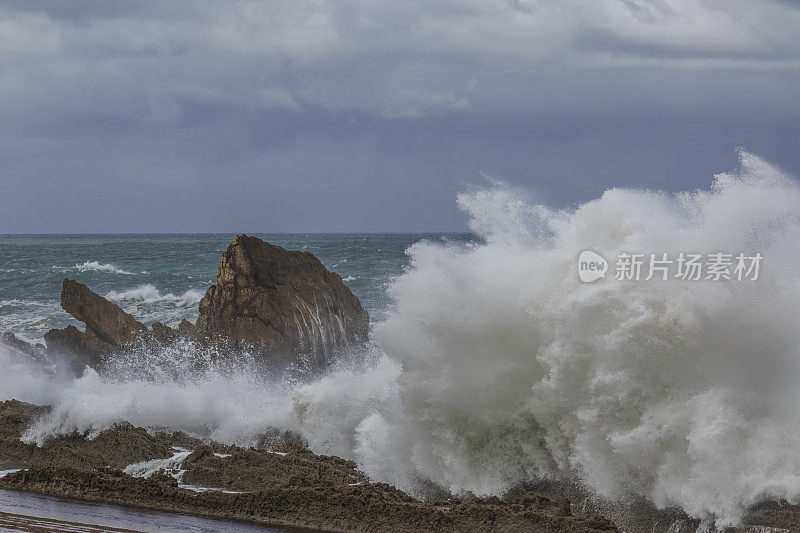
(163, 277)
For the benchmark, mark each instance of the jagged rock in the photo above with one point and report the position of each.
(186, 328)
(9, 339)
(36, 351)
(280, 302)
(108, 327)
(164, 334)
(71, 340)
(105, 319)
(116, 447)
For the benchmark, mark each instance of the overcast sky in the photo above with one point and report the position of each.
(371, 115)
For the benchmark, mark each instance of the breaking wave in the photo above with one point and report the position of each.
(150, 294)
(94, 266)
(496, 365)
(148, 304)
(28, 318)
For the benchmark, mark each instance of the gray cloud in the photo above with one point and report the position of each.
(153, 111)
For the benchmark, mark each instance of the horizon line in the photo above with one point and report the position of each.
(236, 233)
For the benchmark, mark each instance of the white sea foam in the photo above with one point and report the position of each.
(500, 366)
(21, 380)
(682, 392)
(28, 319)
(94, 266)
(148, 304)
(172, 466)
(196, 488)
(149, 294)
(182, 386)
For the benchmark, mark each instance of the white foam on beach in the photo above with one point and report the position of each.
(499, 366)
(172, 466)
(197, 488)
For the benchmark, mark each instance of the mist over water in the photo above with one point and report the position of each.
(494, 365)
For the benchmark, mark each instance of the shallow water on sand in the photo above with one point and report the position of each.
(30, 512)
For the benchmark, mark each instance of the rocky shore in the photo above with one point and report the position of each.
(284, 484)
(281, 482)
(282, 306)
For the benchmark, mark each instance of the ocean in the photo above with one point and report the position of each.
(158, 278)
(492, 362)
(163, 277)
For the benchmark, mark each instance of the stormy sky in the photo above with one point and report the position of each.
(365, 115)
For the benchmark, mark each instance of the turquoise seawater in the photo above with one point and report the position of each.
(163, 277)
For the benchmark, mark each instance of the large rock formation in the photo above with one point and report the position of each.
(280, 302)
(108, 327)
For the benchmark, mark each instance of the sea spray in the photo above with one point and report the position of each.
(681, 392)
(24, 380)
(497, 365)
(183, 386)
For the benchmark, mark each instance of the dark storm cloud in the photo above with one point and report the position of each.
(360, 115)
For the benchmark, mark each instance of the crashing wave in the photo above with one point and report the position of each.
(150, 294)
(499, 366)
(509, 369)
(94, 266)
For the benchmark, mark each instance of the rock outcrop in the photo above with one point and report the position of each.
(279, 302)
(108, 327)
(105, 320)
(294, 488)
(36, 351)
